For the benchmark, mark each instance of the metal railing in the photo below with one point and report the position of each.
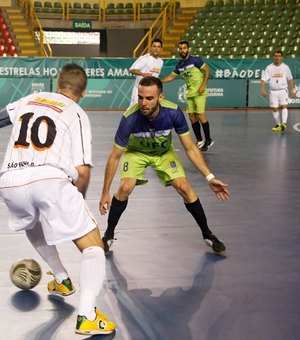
(157, 29)
(36, 29)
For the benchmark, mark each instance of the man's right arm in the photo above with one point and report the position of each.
(4, 118)
(110, 171)
(168, 78)
(265, 77)
(137, 72)
(263, 88)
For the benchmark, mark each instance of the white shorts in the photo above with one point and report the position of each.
(56, 203)
(279, 98)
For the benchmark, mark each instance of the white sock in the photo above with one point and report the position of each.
(48, 253)
(276, 116)
(285, 114)
(91, 277)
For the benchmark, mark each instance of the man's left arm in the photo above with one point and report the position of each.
(206, 73)
(292, 87)
(196, 157)
(83, 180)
(4, 118)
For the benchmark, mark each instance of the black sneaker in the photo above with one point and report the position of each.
(199, 144)
(216, 244)
(108, 242)
(207, 145)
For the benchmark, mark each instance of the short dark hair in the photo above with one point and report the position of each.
(157, 40)
(73, 78)
(181, 42)
(279, 51)
(150, 81)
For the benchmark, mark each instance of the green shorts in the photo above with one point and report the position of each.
(196, 104)
(167, 166)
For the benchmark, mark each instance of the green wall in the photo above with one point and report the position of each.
(233, 82)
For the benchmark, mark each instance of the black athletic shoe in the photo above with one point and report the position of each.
(199, 144)
(108, 242)
(207, 145)
(216, 244)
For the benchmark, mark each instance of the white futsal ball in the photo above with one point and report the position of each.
(25, 273)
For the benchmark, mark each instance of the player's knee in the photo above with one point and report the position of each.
(193, 118)
(125, 189)
(182, 186)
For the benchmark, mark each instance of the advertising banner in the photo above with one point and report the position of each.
(118, 68)
(221, 93)
(14, 88)
(112, 94)
(110, 82)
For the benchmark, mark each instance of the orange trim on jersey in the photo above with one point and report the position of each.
(57, 109)
(17, 146)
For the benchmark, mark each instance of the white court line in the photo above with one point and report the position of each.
(297, 127)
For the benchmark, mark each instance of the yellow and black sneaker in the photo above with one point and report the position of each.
(100, 325)
(283, 126)
(63, 289)
(277, 128)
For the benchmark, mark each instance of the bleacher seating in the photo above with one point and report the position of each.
(246, 28)
(94, 11)
(7, 45)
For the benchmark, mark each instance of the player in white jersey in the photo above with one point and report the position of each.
(43, 181)
(279, 75)
(147, 65)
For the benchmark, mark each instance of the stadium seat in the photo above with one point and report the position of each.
(110, 8)
(87, 8)
(11, 50)
(119, 8)
(249, 27)
(38, 6)
(48, 8)
(240, 3)
(209, 4)
(156, 7)
(250, 51)
(57, 7)
(189, 36)
(96, 8)
(223, 35)
(238, 51)
(219, 3)
(146, 8)
(128, 8)
(76, 8)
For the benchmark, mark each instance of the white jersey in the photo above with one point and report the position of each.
(51, 130)
(278, 76)
(146, 64)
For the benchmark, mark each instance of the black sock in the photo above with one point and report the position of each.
(198, 213)
(197, 131)
(206, 130)
(116, 210)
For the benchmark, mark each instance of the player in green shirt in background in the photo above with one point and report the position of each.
(195, 73)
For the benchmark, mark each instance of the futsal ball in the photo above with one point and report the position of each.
(25, 273)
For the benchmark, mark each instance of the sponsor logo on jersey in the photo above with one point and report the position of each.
(47, 103)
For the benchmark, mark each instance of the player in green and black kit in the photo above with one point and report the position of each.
(144, 138)
(195, 74)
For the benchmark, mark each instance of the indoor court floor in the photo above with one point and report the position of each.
(163, 282)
